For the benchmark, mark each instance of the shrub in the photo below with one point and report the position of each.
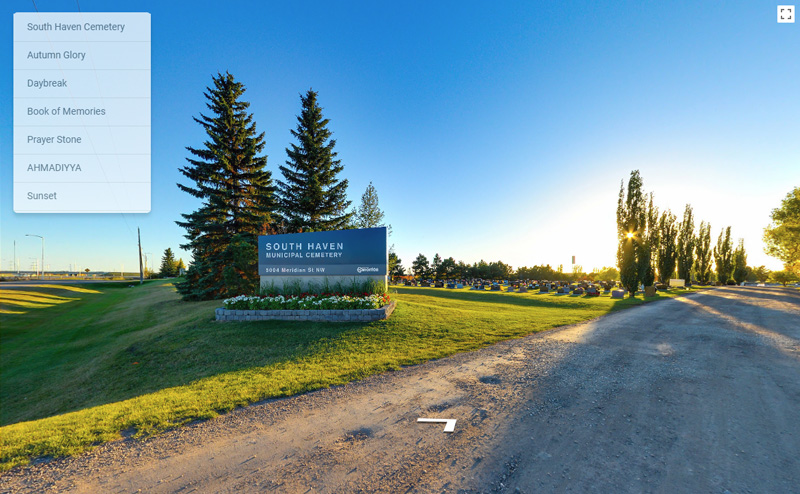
(295, 287)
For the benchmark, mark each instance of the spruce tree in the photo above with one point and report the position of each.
(312, 198)
(723, 256)
(169, 267)
(448, 268)
(436, 265)
(740, 270)
(236, 191)
(420, 266)
(668, 233)
(686, 243)
(703, 253)
(369, 214)
(395, 265)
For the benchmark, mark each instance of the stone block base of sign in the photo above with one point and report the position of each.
(353, 315)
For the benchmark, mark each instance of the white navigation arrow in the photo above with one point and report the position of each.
(450, 427)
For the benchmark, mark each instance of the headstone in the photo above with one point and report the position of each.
(650, 291)
(495, 288)
(578, 291)
(523, 289)
(618, 294)
(459, 285)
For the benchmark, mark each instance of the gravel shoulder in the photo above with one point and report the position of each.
(694, 394)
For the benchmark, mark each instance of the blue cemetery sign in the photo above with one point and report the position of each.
(358, 252)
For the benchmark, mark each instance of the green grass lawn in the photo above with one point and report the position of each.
(80, 365)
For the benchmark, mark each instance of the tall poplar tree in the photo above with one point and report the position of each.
(631, 233)
(236, 191)
(667, 249)
(740, 263)
(703, 253)
(686, 243)
(312, 198)
(648, 247)
(723, 256)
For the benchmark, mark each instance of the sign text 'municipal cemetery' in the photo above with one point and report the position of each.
(357, 252)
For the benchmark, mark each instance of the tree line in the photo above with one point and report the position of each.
(240, 200)
(448, 268)
(655, 245)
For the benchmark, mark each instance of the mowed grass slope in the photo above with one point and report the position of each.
(84, 365)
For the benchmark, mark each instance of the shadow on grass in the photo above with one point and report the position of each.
(118, 342)
(530, 299)
(153, 361)
(111, 343)
(20, 299)
(71, 362)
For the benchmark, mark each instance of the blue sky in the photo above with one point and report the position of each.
(490, 131)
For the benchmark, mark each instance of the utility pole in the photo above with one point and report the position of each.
(141, 269)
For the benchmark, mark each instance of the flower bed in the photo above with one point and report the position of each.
(307, 307)
(307, 301)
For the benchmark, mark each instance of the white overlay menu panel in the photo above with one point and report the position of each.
(81, 112)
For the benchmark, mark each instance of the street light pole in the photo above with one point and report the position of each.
(41, 237)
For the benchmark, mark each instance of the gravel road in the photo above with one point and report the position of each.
(699, 394)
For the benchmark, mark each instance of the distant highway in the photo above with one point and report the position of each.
(12, 284)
